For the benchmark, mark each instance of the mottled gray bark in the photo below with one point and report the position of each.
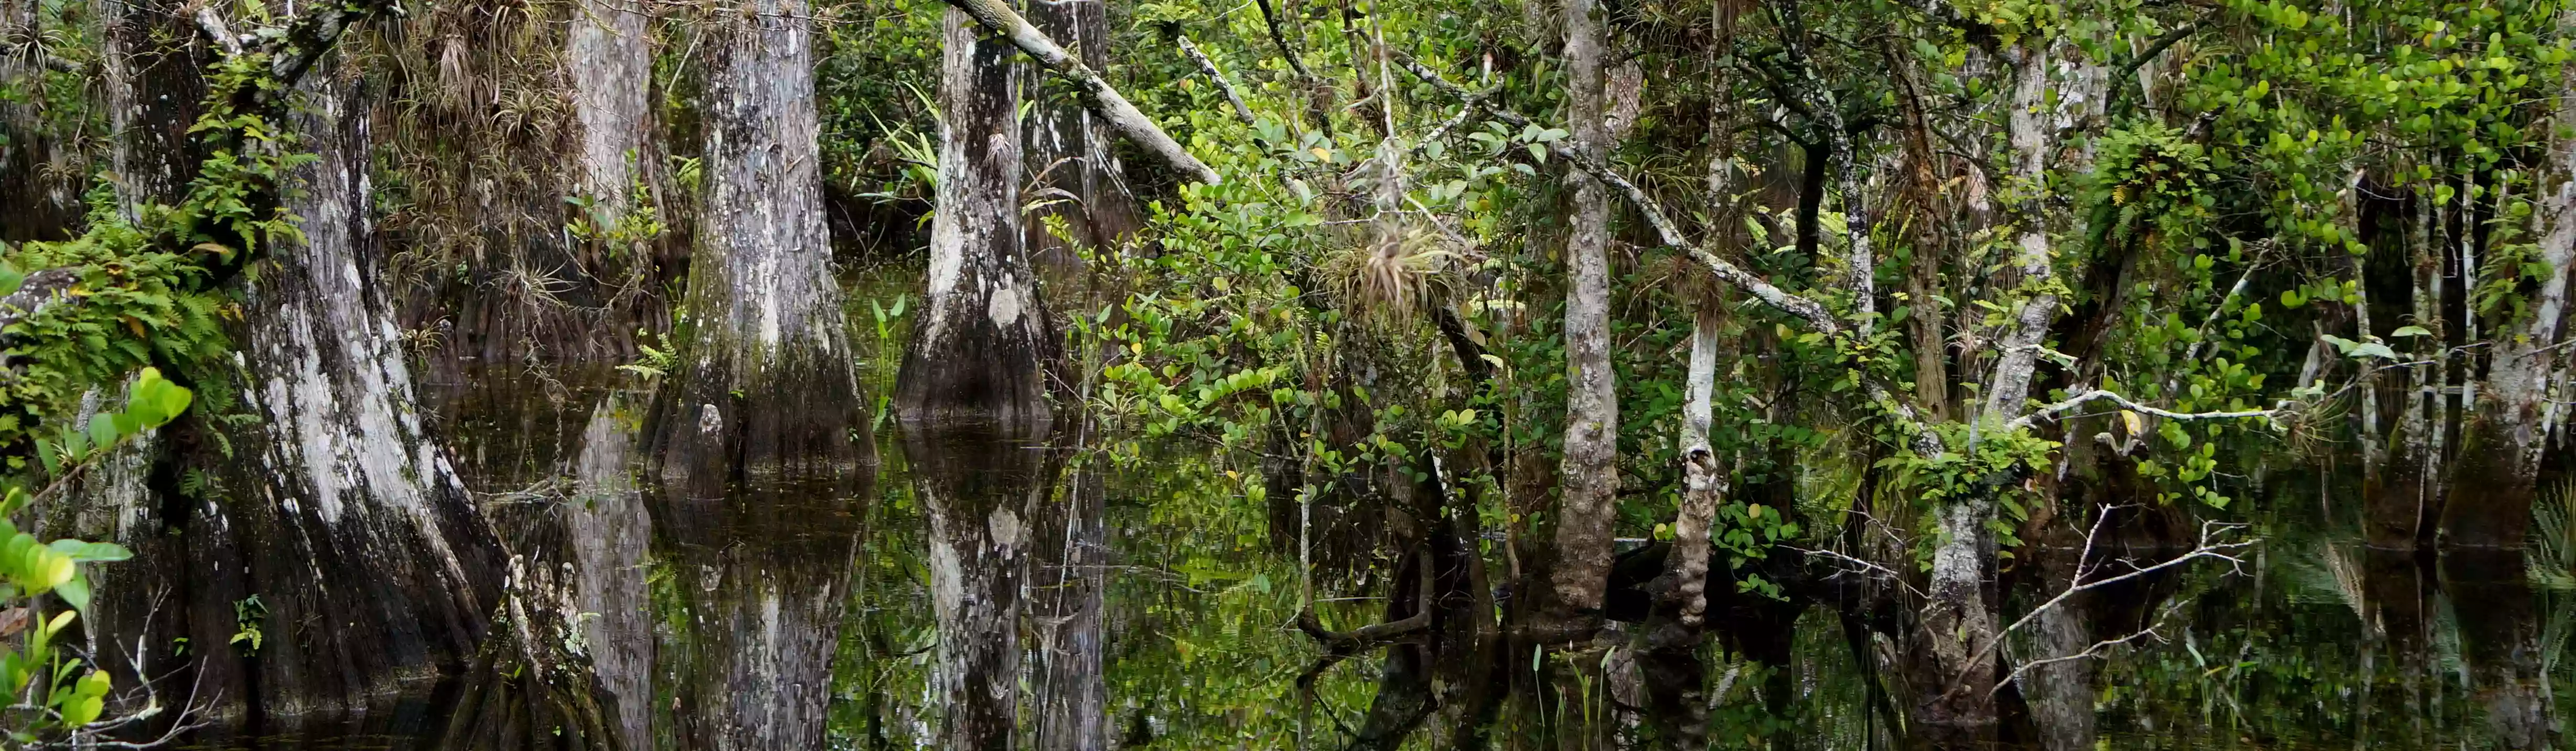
(997, 18)
(1590, 480)
(2050, 98)
(978, 350)
(2498, 468)
(759, 471)
(154, 92)
(609, 58)
(352, 528)
(766, 586)
(764, 396)
(1068, 144)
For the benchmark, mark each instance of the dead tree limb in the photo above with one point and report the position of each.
(1241, 111)
(1103, 99)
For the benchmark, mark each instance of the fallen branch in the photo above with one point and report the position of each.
(2088, 653)
(1241, 111)
(1103, 99)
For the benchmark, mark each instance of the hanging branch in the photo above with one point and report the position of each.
(2107, 395)
(1103, 99)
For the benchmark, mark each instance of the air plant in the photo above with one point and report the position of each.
(1391, 280)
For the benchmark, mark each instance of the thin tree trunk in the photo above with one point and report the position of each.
(1585, 509)
(2500, 446)
(977, 352)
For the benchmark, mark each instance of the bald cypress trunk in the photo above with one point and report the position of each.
(1068, 145)
(1585, 508)
(154, 93)
(752, 433)
(763, 398)
(977, 485)
(978, 349)
(608, 57)
(329, 523)
(2498, 467)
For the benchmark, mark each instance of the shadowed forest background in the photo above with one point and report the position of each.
(1356, 374)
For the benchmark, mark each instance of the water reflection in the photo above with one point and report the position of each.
(978, 484)
(989, 591)
(751, 591)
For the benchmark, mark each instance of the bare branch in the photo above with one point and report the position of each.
(1207, 66)
(1103, 99)
(2088, 653)
(217, 31)
(2208, 547)
(2107, 395)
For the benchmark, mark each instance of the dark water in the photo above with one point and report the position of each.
(2318, 642)
(1160, 606)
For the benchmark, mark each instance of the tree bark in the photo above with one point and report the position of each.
(2498, 470)
(1068, 144)
(609, 58)
(764, 397)
(1113, 108)
(610, 533)
(1585, 508)
(154, 94)
(766, 583)
(979, 349)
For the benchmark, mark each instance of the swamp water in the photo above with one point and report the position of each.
(1169, 623)
(1158, 592)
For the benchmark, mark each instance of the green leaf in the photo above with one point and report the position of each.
(91, 552)
(2410, 331)
(74, 592)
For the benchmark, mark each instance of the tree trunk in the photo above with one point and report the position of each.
(978, 350)
(1585, 508)
(764, 398)
(610, 533)
(2399, 495)
(333, 507)
(2499, 461)
(1068, 145)
(767, 586)
(609, 58)
(154, 94)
